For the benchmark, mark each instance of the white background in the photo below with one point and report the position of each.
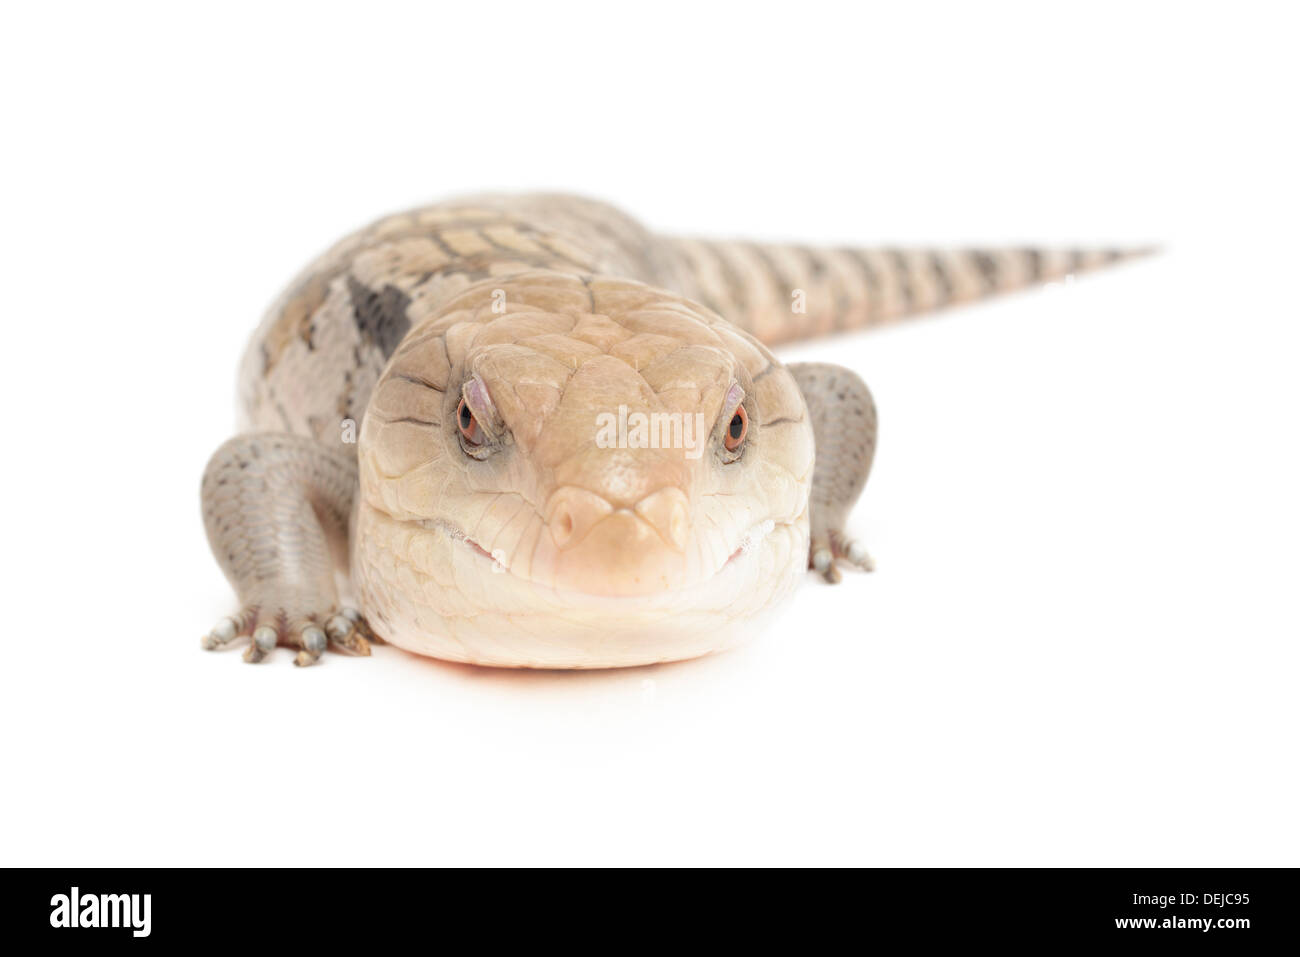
(1081, 645)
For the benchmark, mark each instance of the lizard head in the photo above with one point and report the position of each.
(559, 471)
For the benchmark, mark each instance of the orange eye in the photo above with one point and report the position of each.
(468, 424)
(737, 429)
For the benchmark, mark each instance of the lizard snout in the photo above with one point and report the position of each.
(594, 547)
(573, 512)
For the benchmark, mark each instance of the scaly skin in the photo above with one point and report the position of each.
(536, 541)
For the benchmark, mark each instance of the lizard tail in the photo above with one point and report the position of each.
(782, 293)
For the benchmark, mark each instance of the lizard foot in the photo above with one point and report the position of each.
(832, 548)
(843, 417)
(345, 631)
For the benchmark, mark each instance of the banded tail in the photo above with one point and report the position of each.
(781, 293)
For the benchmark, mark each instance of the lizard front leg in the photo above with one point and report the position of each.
(276, 508)
(844, 429)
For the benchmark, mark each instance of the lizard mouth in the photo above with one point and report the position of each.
(752, 539)
(647, 567)
(432, 588)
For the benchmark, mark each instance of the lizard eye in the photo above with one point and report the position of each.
(737, 429)
(468, 425)
(482, 433)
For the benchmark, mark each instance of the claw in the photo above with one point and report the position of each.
(313, 642)
(824, 563)
(230, 629)
(362, 626)
(857, 555)
(263, 643)
(828, 553)
(344, 632)
(223, 633)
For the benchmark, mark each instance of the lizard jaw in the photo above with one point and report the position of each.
(437, 594)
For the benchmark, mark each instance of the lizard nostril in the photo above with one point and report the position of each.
(563, 527)
(572, 513)
(666, 511)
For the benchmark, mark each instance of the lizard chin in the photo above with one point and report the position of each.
(429, 588)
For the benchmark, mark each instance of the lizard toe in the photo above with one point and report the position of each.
(822, 560)
(348, 632)
(828, 552)
(229, 630)
(854, 553)
(264, 641)
(343, 629)
(311, 641)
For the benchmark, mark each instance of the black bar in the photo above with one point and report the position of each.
(1226, 909)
